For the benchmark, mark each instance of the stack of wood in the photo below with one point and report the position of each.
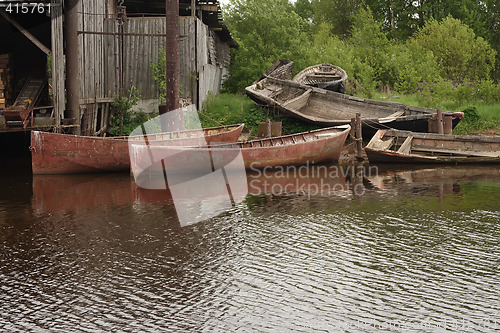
(5, 80)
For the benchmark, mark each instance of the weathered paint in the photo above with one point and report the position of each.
(329, 108)
(435, 148)
(53, 153)
(297, 149)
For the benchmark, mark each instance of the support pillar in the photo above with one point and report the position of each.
(72, 65)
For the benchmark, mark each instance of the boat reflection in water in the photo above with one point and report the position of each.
(196, 198)
(208, 198)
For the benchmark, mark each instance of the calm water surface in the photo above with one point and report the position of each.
(415, 250)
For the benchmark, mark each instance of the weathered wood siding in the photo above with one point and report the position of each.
(203, 58)
(91, 53)
(57, 60)
(106, 61)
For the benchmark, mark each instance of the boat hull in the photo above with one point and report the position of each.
(53, 153)
(324, 76)
(329, 108)
(314, 147)
(410, 147)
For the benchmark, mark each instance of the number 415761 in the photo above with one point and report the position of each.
(28, 8)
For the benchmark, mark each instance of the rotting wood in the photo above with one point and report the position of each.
(406, 146)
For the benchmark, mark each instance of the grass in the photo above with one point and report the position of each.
(227, 109)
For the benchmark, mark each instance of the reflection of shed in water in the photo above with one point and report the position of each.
(116, 46)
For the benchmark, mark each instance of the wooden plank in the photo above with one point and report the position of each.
(26, 33)
(58, 77)
(457, 152)
(406, 146)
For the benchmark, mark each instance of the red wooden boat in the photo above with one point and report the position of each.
(53, 153)
(297, 149)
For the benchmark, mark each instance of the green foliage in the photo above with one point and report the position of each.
(372, 47)
(123, 120)
(228, 109)
(339, 14)
(471, 122)
(460, 54)
(414, 65)
(266, 31)
(159, 75)
(489, 92)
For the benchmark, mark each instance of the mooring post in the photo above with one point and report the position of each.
(359, 138)
(268, 128)
(440, 127)
(353, 129)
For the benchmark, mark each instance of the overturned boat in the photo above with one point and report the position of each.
(328, 108)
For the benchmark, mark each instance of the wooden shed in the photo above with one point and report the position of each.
(118, 41)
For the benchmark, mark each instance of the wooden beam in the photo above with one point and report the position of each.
(26, 33)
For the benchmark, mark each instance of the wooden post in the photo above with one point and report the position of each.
(440, 128)
(448, 124)
(72, 65)
(172, 61)
(268, 128)
(353, 129)
(359, 138)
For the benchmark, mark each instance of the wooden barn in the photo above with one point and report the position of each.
(118, 40)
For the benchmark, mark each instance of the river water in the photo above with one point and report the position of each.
(401, 250)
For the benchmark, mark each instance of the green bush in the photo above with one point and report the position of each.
(123, 120)
(460, 54)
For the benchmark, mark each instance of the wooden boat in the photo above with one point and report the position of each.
(297, 149)
(409, 147)
(325, 76)
(329, 108)
(53, 153)
(281, 69)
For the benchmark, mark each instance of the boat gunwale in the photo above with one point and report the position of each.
(302, 75)
(126, 138)
(441, 137)
(233, 146)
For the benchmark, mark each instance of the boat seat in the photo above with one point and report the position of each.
(406, 146)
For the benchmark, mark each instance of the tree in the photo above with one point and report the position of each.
(266, 31)
(304, 9)
(338, 13)
(460, 54)
(372, 46)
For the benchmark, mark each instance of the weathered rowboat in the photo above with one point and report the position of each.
(329, 108)
(325, 76)
(409, 147)
(297, 149)
(53, 153)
